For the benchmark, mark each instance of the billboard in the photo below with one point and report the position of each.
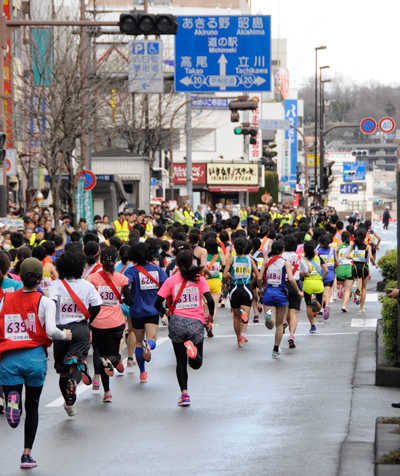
(232, 174)
(199, 174)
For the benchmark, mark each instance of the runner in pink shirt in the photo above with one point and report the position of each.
(183, 293)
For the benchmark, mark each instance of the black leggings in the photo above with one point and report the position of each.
(32, 397)
(182, 361)
(106, 343)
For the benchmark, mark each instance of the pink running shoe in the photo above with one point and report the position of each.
(191, 350)
(96, 383)
(143, 377)
(107, 398)
(326, 313)
(13, 413)
(245, 338)
(146, 351)
(240, 342)
(120, 367)
(108, 367)
(340, 291)
(184, 401)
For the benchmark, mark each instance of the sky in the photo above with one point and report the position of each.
(362, 37)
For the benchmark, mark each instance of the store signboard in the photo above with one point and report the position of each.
(199, 174)
(232, 174)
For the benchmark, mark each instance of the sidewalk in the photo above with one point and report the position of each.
(368, 402)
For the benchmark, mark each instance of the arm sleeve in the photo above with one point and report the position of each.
(127, 295)
(210, 302)
(159, 305)
(47, 315)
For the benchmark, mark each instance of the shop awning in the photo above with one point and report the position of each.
(233, 188)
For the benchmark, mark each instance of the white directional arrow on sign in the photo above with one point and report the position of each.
(186, 81)
(259, 80)
(222, 68)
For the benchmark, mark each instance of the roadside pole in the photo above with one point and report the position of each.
(3, 126)
(188, 130)
(397, 363)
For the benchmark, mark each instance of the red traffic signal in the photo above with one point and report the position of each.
(148, 24)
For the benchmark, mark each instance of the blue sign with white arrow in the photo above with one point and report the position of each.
(223, 53)
(351, 188)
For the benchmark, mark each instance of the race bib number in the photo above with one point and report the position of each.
(189, 298)
(242, 271)
(361, 254)
(314, 270)
(329, 262)
(69, 310)
(274, 277)
(45, 283)
(146, 282)
(108, 297)
(8, 290)
(260, 262)
(342, 253)
(215, 268)
(172, 272)
(14, 328)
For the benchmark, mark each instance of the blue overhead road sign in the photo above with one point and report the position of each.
(354, 171)
(223, 53)
(349, 188)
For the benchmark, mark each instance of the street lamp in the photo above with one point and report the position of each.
(321, 141)
(316, 111)
(321, 126)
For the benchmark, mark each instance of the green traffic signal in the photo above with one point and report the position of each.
(237, 131)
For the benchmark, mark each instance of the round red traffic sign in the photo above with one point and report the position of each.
(368, 125)
(8, 165)
(387, 125)
(89, 180)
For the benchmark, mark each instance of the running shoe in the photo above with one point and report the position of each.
(354, 287)
(146, 351)
(86, 378)
(70, 409)
(209, 330)
(291, 343)
(335, 296)
(260, 307)
(369, 277)
(120, 367)
(184, 401)
(223, 302)
(320, 313)
(344, 309)
(255, 318)
(313, 329)
(269, 323)
(313, 300)
(1, 405)
(245, 317)
(326, 313)
(191, 349)
(361, 312)
(143, 377)
(108, 367)
(70, 397)
(357, 301)
(164, 321)
(340, 292)
(285, 325)
(96, 383)
(130, 362)
(276, 354)
(240, 342)
(27, 462)
(13, 413)
(107, 398)
(245, 339)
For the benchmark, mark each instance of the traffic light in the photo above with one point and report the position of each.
(327, 178)
(245, 130)
(349, 173)
(359, 153)
(2, 148)
(241, 104)
(148, 24)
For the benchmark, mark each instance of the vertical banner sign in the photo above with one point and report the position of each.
(8, 81)
(285, 83)
(286, 158)
(42, 56)
(291, 135)
(256, 149)
(84, 204)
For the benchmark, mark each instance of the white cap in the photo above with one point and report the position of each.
(388, 208)
(356, 212)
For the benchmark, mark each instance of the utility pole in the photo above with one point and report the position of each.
(188, 130)
(3, 126)
(85, 148)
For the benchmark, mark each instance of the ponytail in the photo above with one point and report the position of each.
(184, 261)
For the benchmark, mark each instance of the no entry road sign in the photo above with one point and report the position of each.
(90, 180)
(368, 125)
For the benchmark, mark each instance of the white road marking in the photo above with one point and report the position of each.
(364, 322)
(385, 243)
(372, 297)
(58, 402)
(250, 336)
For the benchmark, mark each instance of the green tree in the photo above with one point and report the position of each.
(271, 186)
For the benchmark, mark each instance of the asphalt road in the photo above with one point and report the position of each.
(309, 412)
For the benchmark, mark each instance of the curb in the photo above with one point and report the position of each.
(385, 442)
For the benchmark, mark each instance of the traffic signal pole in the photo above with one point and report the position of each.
(188, 130)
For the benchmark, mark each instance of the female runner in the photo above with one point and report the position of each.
(329, 257)
(108, 327)
(145, 279)
(239, 269)
(344, 272)
(276, 296)
(186, 317)
(23, 350)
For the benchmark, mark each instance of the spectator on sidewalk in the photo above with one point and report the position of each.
(385, 218)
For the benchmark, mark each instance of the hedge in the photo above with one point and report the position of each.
(388, 265)
(389, 322)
